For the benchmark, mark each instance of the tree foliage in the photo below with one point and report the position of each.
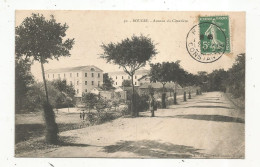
(40, 38)
(130, 54)
(126, 83)
(64, 88)
(107, 82)
(23, 82)
(168, 71)
(89, 99)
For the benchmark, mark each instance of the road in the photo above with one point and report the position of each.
(206, 126)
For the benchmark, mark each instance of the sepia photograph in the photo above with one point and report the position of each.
(130, 84)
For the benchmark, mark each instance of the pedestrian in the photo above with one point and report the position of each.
(83, 115)
(80, 115)
(152, 104)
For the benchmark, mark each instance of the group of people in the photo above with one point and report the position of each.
(82, 115)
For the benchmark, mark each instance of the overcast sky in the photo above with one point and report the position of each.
(92, 28)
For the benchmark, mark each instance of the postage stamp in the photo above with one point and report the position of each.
(214, 34)
(207, 41)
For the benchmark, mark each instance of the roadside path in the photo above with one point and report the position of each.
(207, 126)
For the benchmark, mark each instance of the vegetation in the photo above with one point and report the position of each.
(130, 54)
(232, 80)
(42, 39)
(107, 82)
(89, 99)
(126, 83)
(166, 72)
(23, 82)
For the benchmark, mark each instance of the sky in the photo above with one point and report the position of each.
(92, 28)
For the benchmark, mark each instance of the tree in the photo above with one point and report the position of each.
(130, 54)
(23, 81)
(41, 40)
(126, 83)
(166, 72)
(107, 82)
(236, 77)
(161, 73)
(67, 93)
(89, 99)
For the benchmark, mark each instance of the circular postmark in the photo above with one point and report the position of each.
(206, 42)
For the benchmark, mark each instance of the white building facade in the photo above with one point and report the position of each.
(119, 76)
(83, 78)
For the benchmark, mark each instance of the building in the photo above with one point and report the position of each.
(83, 78)
(119, 76)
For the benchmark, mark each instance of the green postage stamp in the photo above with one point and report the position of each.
(214, 34)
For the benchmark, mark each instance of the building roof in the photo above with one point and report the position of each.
(72, 69)
(138, 72)
(158, 85)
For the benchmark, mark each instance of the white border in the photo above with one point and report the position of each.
(7, 14)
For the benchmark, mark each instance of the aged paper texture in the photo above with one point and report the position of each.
(130, 84)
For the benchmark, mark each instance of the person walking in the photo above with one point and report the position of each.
(83, 115)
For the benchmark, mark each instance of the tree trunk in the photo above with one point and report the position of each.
(184, 96)
(189, 95)
(174, 98)
(44, 81)
(49, 115)
(133, 98)
(163, 97)
(175, 94)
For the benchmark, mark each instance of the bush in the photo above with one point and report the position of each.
(141, 102)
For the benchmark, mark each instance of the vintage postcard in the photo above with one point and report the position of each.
(130, 84)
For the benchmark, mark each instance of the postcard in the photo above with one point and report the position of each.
(130, 84)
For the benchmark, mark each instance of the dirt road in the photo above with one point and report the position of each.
(207, 126)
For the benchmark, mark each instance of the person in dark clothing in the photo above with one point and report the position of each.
(83, 115)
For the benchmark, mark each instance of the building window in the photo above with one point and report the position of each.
(128, 77)
(86, 82)
(77, 82)
(116, 77)
(48, 76)
(77, 91)
(64, 75)
(122, 77)
(86, 74)
(71, 83)
(98, 83)
(92, 74)
(86, 90)
(53, 75)
(98, 75)
(58, 75)
(92, 82)
(135, 77)
(116, 83)
(135, 83)
(70, 75)
(77, 74)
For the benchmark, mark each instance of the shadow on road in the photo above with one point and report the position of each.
(208, 107)
(154, 149)
(218, 118)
